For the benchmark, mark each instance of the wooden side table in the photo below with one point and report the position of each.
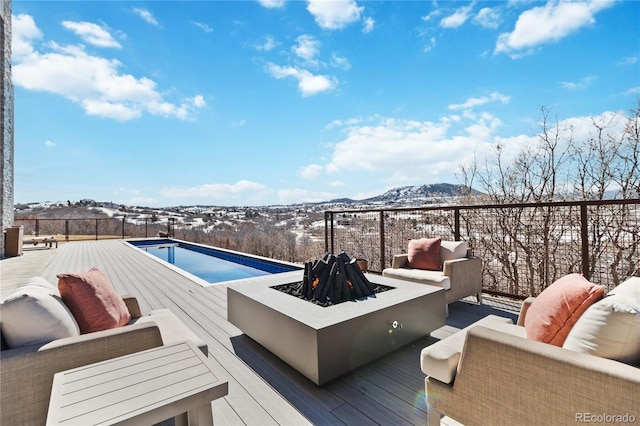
(142, 388)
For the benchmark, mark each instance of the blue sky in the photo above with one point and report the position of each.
(166, 103)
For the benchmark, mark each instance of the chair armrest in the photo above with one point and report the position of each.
(506, 379)
(400, 261)
(455, 268)
(26, 377)
(465, 275)
(132, 305)
(524, 308)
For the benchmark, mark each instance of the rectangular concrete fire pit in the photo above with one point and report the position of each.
(323, 343)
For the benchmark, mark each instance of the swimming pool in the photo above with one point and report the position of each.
(212, 265)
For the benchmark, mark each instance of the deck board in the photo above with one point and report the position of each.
(263, 390)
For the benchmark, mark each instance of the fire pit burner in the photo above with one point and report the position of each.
(331, 280)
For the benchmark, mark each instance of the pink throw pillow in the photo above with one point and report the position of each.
(93, 301)
(425, 254)
(553, 313)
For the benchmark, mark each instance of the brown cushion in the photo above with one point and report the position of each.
(553, 313)
(424, 254)
(93, 301)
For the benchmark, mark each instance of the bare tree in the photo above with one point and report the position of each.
(533, 246)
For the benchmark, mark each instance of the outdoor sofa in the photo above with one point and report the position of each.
(441, 263)
(35, 315)
(495, 372)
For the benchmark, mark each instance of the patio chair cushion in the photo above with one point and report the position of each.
(33, 315)
(424, 253)
(610, 328)
(450, 250)
(423, 276)
(440, 360)
(93, 301)
(42, 283)
(558, 307)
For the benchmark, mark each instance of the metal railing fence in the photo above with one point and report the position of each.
(96, 228)
(524, 247)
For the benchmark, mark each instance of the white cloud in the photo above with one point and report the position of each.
(49, 144)
(629, 60)
(25, 32)
(549, 23)
(106, 109)
(474, 102)
(215, 191)
(335, 14)
(367, 25)
(407, 151)
(308, 83)
(198, 101)
(238, 123)
(272, 4)
(458, 18)
(390, 144)
(433, 14)
(579, 85)
(91, 33)
(487, 17)
(146, 15)
(311, 171)
(270, 43)
(96, 83)
(204, 27)
(340, 62)
(307, 48)
(430, 45)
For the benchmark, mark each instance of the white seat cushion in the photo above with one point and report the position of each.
(441, 359)
(420, 276)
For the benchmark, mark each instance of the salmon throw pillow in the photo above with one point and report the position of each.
(424, 253)
(93, 301)
(553, 313)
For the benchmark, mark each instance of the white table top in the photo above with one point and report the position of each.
(144, 387)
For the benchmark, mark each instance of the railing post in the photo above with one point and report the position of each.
(326, 231)
(584, 235)
(123, 220)
(382, 248)
(333, 240)
(146, 227)
(96, 229)
(37, 227)
(66, 229)
(456, 224)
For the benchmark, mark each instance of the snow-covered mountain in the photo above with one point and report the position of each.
(420, 193)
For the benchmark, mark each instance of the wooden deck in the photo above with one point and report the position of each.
(262, 389)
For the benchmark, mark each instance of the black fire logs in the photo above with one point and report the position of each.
(335, 279)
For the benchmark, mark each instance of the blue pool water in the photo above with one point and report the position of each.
(210, 264)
